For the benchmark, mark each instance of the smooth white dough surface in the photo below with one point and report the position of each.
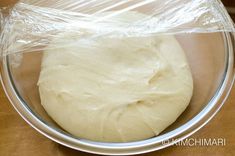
(115, 89)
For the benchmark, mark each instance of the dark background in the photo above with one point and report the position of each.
(230, 4)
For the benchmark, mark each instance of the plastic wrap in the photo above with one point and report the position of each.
(31, 25)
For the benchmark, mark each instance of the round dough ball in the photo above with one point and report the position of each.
(115, 89)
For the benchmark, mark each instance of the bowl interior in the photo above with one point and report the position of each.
(206, 54)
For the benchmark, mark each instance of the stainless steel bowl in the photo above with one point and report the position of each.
(211, 58)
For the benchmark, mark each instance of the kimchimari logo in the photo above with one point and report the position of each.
(197, 142)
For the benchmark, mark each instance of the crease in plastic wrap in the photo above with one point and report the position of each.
(31, 25)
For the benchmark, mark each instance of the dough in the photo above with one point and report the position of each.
(115, 89)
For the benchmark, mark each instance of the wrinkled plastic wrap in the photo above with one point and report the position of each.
(32, 24)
